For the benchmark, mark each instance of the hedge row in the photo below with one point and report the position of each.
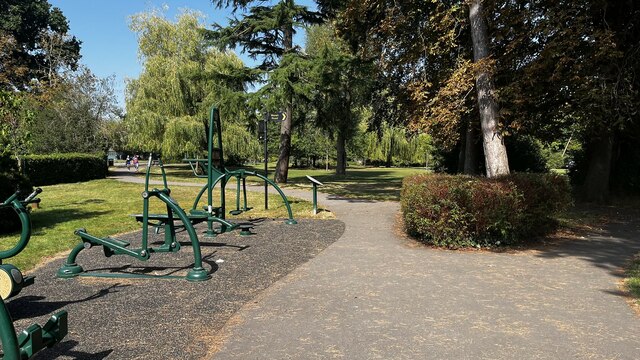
(64, 168)
(461, 211)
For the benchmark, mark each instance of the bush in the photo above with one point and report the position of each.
(10, 182)
(462, 211)
(64, 168)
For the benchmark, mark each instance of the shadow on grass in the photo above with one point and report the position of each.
(48, 218)
(32, 306)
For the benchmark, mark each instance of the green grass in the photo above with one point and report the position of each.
(360, 182)
(103, 208)
(632, 281)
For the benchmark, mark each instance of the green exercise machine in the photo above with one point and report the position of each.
(112, 246)
(216, 172)
(35, 337)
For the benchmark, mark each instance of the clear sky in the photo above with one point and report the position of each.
(109, 47)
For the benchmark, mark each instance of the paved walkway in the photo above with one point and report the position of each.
(375, 295)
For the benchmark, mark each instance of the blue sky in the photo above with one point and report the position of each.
(109, 47)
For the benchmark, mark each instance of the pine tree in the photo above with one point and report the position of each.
(266, 32)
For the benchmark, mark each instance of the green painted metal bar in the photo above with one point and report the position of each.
(25, 220)
(197, 273)
(8, 335)
(140, 254)
(291, 221)
(244, 192)
(238, 193)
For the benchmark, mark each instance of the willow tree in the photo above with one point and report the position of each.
(182, 77)
(266, 32)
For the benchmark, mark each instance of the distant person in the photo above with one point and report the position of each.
(136, 162)
(128, 163)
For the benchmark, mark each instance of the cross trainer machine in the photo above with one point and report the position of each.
(35, 337)
(216, 172)
(112, 246)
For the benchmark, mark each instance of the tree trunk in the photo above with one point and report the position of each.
(596, 183)
(390, 153)
(282, 168)
(470, 150)
(341, 165)
(326, 163)
(495, 152)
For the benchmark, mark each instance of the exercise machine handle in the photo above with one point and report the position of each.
(31, 198)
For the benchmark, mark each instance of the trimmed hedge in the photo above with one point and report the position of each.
(64, 168)
(10, 182)
(461, 211)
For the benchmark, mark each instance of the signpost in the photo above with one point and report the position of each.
(315, 183)
(263, 135)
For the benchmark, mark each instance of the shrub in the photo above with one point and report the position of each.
(461, 211)
(64, 168)
(10, 182)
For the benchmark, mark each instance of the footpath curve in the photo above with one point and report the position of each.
(375, 295)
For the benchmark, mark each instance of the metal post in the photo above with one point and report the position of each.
(315, 199)
(266, 160)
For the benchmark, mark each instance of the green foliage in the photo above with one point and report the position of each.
(71, 115)
(526, 154)
(463, 211)
(64, 168)
(15, 118)
(182, 78)
(34, 43)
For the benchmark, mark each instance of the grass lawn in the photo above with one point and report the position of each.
(360, 182)
(632, 283)
(103, 208)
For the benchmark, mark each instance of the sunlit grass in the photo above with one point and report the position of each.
(103, 208)
(632, 281)
(371, 183)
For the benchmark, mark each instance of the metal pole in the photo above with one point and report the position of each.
(315, 199)
(266, 160)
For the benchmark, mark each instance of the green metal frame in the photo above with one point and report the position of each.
(218, 173)
(34, 338)
(112, 246)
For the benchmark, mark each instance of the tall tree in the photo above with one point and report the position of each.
(339, 82)
(34, 43)
(182, 77)
(70, 116)
(266, 32)
(495, 152)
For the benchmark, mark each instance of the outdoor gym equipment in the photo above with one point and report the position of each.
(35, 337)
(216, 172)
(113, 246)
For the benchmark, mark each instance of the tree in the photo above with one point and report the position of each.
(14, 119)
(338, 80)
(70, 115)
(34, 43)
(182, 77)
(266, 32)
(495, 152)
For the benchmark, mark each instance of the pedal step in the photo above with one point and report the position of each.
(118, 242)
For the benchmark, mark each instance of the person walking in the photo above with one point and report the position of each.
(136, 162)
(128, 163)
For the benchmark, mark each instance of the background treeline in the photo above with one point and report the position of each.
(377, 82)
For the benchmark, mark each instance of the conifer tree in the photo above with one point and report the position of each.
(266, 32)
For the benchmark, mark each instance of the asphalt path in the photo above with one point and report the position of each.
(374, 294)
